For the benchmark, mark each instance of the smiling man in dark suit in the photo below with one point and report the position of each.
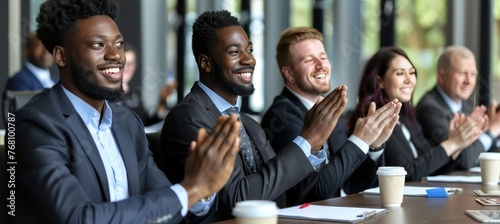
(223, 53)
(306, 71)
(82, 158)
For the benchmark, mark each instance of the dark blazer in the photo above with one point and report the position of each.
(434, 115)
(60, 177)
(283, 121)
(279, 173)
(24, 80)
(398, 152)
(133, 101)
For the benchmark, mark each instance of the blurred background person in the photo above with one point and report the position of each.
(456, 81)
(132, 97)
(35, 74)
(390, 74)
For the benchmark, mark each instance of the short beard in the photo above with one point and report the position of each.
(226, 85)
(93, 90)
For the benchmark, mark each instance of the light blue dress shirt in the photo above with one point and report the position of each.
(105, 143)
(43, 75)
(222, 105)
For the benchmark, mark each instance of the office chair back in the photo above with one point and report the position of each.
(13, 100)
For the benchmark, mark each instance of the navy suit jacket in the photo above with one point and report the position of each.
(60, 177)
(24, 80)
(398, 151)
(278, 174)
(283, 121)
(434, 115)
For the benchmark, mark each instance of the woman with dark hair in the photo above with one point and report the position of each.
(389, 74)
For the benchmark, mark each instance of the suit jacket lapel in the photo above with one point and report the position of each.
(127, 151)
(288, 94)
(33, 79)
(83, 136)
(206, 102)
(214, 112)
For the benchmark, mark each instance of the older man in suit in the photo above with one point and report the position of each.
(83, 159)
(456, 80)
(225, 62)
(305, 69)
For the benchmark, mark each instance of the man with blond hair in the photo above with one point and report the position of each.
(305, 69)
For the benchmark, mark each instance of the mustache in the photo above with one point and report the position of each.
(248, 67)
(115, 62)
(322, 70)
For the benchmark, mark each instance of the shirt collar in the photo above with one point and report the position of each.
(455, 108)
(219, 102)
(90, 115)
(307, 103)
(40, 73)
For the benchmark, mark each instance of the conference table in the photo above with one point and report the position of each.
(414, 209)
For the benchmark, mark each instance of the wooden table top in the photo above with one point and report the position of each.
(413, 209)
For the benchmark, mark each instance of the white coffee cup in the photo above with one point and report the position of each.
(391, 180)
(490, 167)
(256, 212)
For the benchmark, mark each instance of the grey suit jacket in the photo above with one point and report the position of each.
(279, 173)
(434, 115)
(283, 121)
(60, 177)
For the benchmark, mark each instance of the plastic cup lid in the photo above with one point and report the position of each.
(489, 156)
(255, 209)
(391, 170)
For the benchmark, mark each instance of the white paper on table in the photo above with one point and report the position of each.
(415, 190)
(330, 213)
(475, 169)
(454, 178)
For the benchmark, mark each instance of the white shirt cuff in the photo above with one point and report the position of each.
(365, 147)
(303, 144)
(306, 148)
(486, 141)
(360, 143)
(183, 197)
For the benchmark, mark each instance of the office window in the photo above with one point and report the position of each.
(256, 100)
(190, 67)
(328, 27)
(301, 13)
(371, 31)
(34, 9)
(420, 32)
(495, 81)
(173, 22)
